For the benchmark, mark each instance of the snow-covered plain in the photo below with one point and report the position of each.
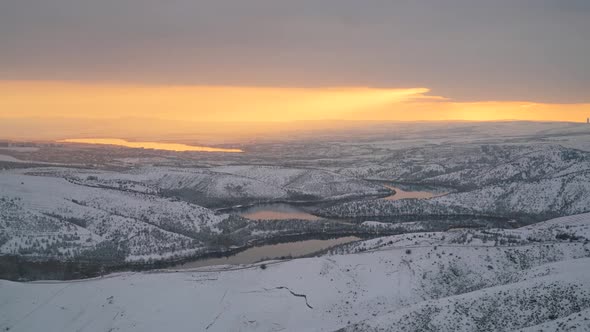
(463, 280)
(9, 158)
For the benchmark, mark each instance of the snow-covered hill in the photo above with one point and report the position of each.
(45, 216)
(97, 216)
(227, 186)
(463, 280)
(530, 200)
(469, 166)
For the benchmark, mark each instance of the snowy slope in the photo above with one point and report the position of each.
(531, 181)
(453, 281)
(87, 215)
(469, 166)
(543, 198)
(50, 216)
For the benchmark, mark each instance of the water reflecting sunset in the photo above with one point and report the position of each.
(148, 145)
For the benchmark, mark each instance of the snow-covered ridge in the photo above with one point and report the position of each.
(231, 185)
(53, 217)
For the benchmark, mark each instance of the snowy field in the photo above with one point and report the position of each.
(453, 281)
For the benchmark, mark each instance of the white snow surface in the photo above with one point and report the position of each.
(447, 281)
(9, 158)
(37, 212)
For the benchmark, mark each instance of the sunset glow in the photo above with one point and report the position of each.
(198, 105)
(193, 103)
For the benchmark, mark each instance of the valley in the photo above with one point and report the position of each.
(374, 234)
(523, 279)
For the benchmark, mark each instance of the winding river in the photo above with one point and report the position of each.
(283, 211)
(271, 251)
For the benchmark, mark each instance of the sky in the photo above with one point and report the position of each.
(280, 61)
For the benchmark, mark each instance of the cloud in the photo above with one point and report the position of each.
(467, 50)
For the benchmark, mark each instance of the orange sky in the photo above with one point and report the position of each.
(203, 104)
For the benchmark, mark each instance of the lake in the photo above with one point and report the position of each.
(269, 252)
(283, 211)
(277, 211)
(403, 194)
